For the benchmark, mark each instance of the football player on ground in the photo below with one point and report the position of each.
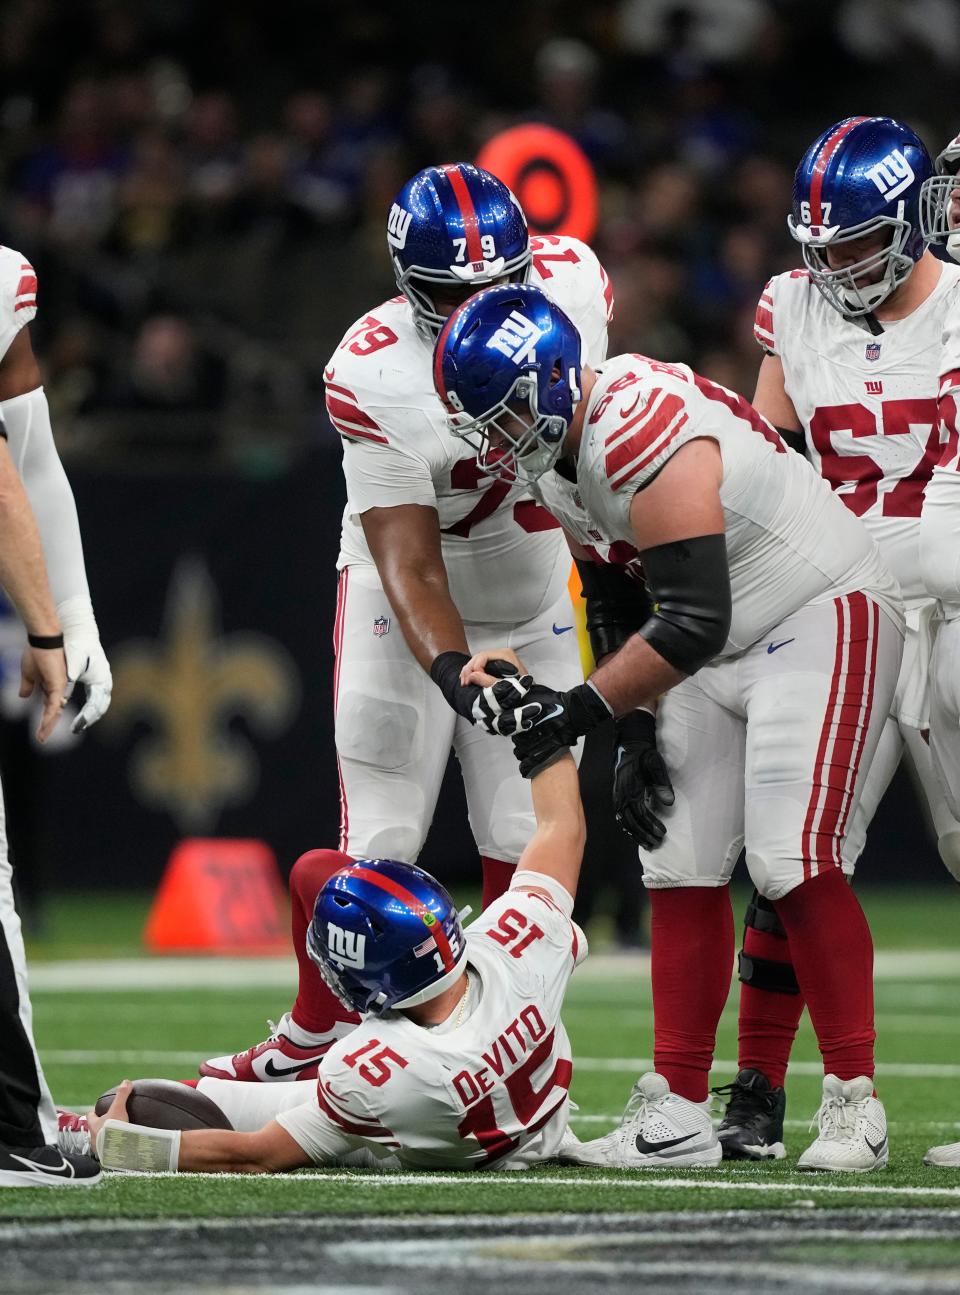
(940, 522)
(28, 1122)
(460, 1060)
(436, 559)
(773, 639)
(851, 363)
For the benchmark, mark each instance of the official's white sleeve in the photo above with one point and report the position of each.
(30, 436)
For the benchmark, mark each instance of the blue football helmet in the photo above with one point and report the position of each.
(939, 214)
(862, 176)
(505, 345)
(385, 935)
(458, 226)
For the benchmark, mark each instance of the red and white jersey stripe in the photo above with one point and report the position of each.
(18, 295)
(789, 539)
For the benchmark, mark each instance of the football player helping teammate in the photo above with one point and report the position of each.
(460, 1060)
(772, 635)
(436, 560)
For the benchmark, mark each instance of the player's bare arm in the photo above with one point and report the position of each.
(771, 400)
(271, 1150)
(19, 371)
(405, 545)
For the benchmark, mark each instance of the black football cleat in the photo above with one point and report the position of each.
(46, 1166)
(752, 1127)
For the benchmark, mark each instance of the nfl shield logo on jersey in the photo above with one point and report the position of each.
(381, 626)
(873, 351)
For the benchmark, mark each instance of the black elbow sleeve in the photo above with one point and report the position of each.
(617, 605)
(689, 581)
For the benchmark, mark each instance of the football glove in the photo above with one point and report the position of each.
(86, 660)
(641, 784)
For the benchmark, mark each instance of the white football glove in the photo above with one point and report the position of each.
(86, 660)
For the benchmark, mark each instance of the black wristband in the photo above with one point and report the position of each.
(47, 641)
(637, 726)
(445, 673)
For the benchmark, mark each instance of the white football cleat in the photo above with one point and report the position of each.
(658, 1130)
(277, 1059)
(853, 1129)
(945, 1157)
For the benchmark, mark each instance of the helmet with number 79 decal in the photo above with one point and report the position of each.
(385, 935)
(507, 367)
(451, 230)
(860, 180)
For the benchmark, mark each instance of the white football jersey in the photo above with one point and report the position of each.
(490, 1092)
(789, 541)
(18, 295)
(397, 448)
(867, 404)
(940, 523)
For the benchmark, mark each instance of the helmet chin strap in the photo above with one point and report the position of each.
(953, 244)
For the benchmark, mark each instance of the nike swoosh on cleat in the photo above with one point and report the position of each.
(775, 647)
(878, 1148)
(561, 629)
(63, 1170)
(275, 1072)
(652, 1148)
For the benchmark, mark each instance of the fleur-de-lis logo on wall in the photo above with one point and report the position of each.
(186, 686)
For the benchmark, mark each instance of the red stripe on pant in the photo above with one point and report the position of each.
(316, 1008)
(842, 736)
(337, 658)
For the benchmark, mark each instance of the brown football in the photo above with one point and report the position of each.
(165, 1104)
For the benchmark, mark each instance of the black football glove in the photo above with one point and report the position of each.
(562, 718)
(641, 784)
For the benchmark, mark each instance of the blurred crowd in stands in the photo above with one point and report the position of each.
(203, 187)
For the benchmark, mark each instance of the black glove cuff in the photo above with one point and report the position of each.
(445, 673)
(585, 708)
(47, 641)
(637, 726)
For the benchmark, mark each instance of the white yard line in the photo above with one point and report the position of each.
(652, 1180)
(148, 973)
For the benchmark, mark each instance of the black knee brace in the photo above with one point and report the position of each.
(762, 916)
(765, 973)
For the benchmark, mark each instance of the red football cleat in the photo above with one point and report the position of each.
(277, 1060)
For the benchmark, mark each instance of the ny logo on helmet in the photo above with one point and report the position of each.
(346, 947)
(892, 175)
(398, 224)
(517, 338)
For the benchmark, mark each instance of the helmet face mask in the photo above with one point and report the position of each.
(940, 201)
(457, 226)
(385, 936)
(507, 367)
(508, 445)
(863, 177)
(858, 288)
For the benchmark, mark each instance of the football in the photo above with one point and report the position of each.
(165, 1104)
